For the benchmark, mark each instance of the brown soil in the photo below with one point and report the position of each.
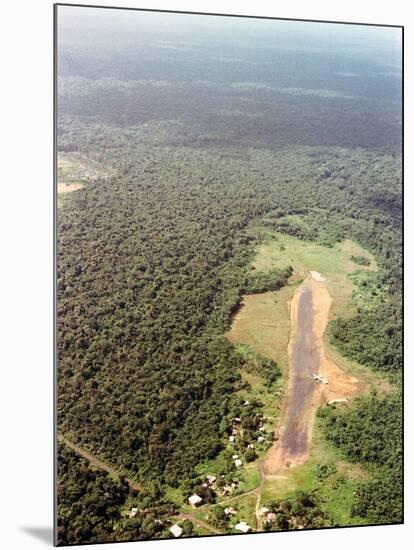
(340, 384)
(69, 187)
(309, 309)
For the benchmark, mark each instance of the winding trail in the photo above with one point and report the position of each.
(133, 484)
(98, 463)
(200, 523)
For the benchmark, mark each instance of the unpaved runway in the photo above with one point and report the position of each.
(309, 315)
(304, 363)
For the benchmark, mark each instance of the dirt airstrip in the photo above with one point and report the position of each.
(309, 312)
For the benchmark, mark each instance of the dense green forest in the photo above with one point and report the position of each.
(94, 507)
(153, 259)
(371, 433)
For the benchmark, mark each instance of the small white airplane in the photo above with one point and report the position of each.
(319, 378)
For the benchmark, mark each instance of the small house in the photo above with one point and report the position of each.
(133, 512)
(238, 463)
(195, 500)
(227, 490)
(229, 511)
(176, 531)
(271, 517)
(243, 527)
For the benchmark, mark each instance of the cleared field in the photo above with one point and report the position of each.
(335, 263)
(69, 177)
(246, 511)
(74, 171)
(263, 323)
(69, 187)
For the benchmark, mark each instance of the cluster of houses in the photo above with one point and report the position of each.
(242, 526)
(236, 430)
(211, 483)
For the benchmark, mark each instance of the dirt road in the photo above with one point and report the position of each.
(133, 484)
(200, 523)
(97, 463)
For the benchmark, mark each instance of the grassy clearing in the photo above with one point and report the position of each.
(74, 171)
(263, 323)
(71, 170)
(246, 511)
(251, 478)
(70, 178)
(201, 532)
(174, 495)
(289, 483)
(280, 251)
